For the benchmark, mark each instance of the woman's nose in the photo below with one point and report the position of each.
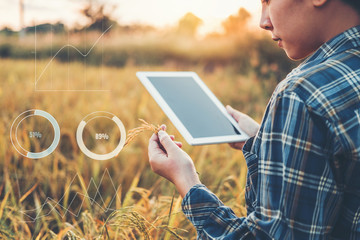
(265, 22)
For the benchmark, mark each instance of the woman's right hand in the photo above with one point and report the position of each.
(168, 160)
(246, 123)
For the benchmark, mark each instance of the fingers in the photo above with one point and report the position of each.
(239, 116)
(179, 144)
(166, 141)
(154, 148)
(238, 145)
(154, 137)
(172, 137)
(247, 124)
(234, 113)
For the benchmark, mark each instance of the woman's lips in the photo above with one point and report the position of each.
(278, 40)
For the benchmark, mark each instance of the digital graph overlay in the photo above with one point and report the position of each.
(100, 136)
(33, 134)
(91, 196)
(41, 76)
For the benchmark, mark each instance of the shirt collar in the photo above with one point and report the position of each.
(342, 42)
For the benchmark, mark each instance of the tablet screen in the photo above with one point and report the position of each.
(197, 112)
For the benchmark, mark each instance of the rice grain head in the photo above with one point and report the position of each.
(145, 126)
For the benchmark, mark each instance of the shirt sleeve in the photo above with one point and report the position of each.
(211, 218)
(294, 193)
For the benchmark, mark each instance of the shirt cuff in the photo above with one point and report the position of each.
(198, 204)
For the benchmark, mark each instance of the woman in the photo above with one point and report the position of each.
(303, 160)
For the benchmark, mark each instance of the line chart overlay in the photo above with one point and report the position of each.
(40, 78)
(72, 201)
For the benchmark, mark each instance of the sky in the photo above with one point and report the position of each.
(158, 13)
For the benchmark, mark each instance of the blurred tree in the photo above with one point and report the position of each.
(236, 24)
(98, 18)
(188, 25)
(58, 27)
(7, 31)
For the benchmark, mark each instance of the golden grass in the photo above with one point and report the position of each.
(145, 206)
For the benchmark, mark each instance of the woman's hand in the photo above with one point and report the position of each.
(169, 161)
(246, 123)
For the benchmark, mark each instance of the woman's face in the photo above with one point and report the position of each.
(294, 24)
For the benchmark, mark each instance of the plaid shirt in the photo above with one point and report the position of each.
(303, 178)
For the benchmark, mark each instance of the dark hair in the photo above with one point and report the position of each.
(354, 3)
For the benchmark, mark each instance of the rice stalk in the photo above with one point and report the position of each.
(127, 219)
(2, 206)
(145, 126)
(129, 194)
(28, 193)
(171, 230)
(172, 217)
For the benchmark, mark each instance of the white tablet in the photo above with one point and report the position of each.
(192, 107)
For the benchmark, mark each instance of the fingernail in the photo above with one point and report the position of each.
(161, 132)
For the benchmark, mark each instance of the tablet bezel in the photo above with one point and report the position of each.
(143, 76)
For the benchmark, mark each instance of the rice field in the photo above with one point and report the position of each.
(67, 195)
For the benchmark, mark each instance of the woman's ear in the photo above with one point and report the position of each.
(319, 3)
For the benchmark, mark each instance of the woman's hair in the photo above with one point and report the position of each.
(354, 3)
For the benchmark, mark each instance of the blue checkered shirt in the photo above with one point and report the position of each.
(303, 179)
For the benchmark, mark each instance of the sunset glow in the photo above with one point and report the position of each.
(159, 13)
